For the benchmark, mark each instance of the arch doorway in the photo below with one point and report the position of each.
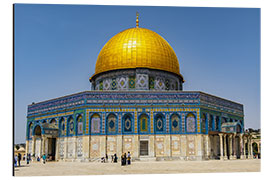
(37, 135)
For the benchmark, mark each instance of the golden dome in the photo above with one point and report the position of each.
(137, 48)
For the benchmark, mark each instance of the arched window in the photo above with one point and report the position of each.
(95, 123)
(223, 120)
(62, 126)
(111, 123)
(79, 125)
(37, 130)
(159, 125)
(143, 123)
(30, 130)
(203, 122)
(212, 123)
(127, 123)
(53, 121)
(175, 123)
(70, 126)
(217, 123)
(238, 128)
(190, 123)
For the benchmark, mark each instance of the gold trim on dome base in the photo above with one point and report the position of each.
(137, 48)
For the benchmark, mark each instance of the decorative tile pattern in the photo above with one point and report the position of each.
(122, 83)
(143, 123)
(159, 123)
(107, 84)
(132, 82)
(159, 83)
(111, 123)
(114, 84)
(151, 83)
(101, 85)
(203, 123)
(142, 81)
(79, 147)
(61, 147)
(95, 123)
(191, 123)
(175, 123)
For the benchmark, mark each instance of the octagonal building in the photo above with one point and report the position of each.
(137, 105)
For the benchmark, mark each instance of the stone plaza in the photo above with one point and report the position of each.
(137, 167)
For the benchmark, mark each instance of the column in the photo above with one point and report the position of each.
(245, 150)
(40, 148)
(249, 147)
(208, 147)
(221, 146)
(234, 146)
(26, 149)
(225, 148)
(230, 147)
(241, 147)
(33, 145)
(57, 149)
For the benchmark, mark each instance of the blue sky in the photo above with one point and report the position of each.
(56, 47)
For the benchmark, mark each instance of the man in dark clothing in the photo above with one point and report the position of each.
(19, 159)
(115, 158)
(125, 159)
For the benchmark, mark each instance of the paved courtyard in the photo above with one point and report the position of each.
(143, 167)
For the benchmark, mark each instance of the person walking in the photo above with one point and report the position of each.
(19, 159)
(125, 159)
(112, 159)
(115, 158)
(15, 160)
(128, 158)
(106, 158)
(27, 159)
(44, 158)
(122, 160)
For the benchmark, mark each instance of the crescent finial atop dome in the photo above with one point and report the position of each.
(137, 19)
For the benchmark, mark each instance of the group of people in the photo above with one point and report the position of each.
(17, 159)
(125, 159)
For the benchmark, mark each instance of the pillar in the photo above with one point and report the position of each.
(249, 147)
(26, 149)
(221, 146)
(234, 146)
(230, 147)
(241, 147)
(225, 148)
(245, 150)
(208, 146)
(33, 145)
(57, 149)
